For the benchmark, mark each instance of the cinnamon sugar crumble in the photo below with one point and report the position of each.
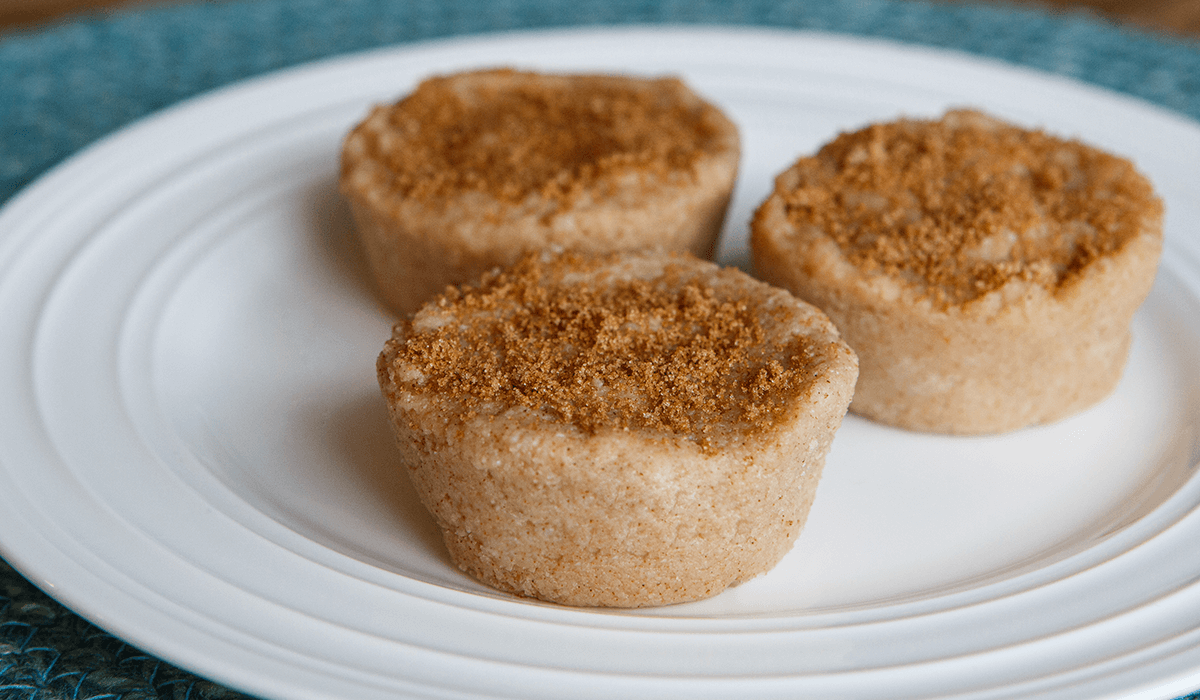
(665, 355)
(511, 136)
(966, 204)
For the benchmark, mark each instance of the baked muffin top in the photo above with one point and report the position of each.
(963, 205)
(619, 342)
(513, 134)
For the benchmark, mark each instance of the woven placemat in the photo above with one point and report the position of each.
(65, 86)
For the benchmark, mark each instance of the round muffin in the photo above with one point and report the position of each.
(473, 169)
(985, 274)
(623, 430)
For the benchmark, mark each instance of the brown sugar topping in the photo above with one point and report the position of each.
(515, 134)
(666, 354)
(965, 204)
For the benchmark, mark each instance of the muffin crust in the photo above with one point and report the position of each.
(472, 169)
(985, 274)
(975, 205)
(625, 430)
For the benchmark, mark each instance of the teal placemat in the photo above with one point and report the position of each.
(65, 86)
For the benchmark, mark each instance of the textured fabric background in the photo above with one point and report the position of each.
(63, 87)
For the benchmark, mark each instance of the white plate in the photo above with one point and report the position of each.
(193, 453)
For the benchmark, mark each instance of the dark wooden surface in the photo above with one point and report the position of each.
(1178, 17)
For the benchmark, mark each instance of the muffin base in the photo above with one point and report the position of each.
(415, 249)
(1018, 356)
(613, 520)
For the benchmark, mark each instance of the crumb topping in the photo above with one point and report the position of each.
(515, 134)
(666, 354)
(963, 205)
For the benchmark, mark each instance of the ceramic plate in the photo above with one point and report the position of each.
(194, 454)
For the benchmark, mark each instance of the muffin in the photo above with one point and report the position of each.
(985, 274)
(623, 430)
(473, 169)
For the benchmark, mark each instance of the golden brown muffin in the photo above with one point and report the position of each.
(985, 274)
(472, 169)
(627, 430)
